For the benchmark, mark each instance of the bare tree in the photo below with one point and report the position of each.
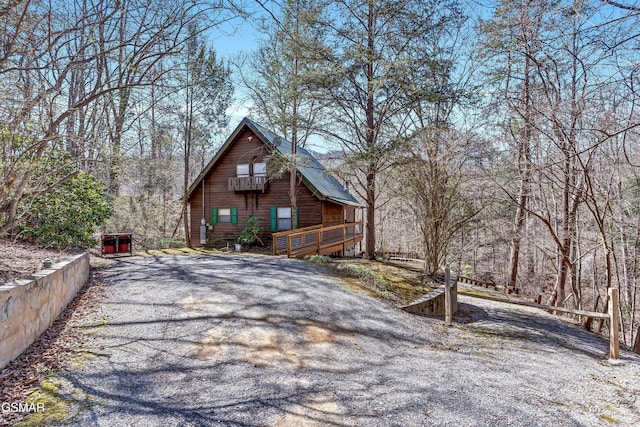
(207, 94)
(43, 55)
(435, 176)
(559, 87)
(372, 43)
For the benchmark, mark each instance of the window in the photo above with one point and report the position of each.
(259, 169)
(224, 215)
(280, 218)
(284, 218)
(242, 170)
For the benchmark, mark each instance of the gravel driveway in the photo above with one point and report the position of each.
(252, 340)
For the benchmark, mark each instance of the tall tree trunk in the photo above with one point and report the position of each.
(371, 215)
(624, 244)
(514, 257)
(294, 151)
(370, 136)
(524, 160)
(293, 176)
(188, 144)
(119, 112)
(115, 163)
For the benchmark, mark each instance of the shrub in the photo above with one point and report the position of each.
(66, 216)
(249, 234)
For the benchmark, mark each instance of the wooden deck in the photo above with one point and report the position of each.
(317, 239)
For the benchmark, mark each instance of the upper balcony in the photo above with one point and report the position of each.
(249, 183)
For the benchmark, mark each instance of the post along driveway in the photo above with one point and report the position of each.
(252, 340)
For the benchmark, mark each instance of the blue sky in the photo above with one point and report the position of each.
(229, 40)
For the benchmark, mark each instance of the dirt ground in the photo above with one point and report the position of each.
(20, 259)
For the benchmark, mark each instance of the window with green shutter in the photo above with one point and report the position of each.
(281, 219)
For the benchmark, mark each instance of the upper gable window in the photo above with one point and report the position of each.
(242, 171)
(259, 169)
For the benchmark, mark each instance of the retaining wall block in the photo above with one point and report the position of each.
(29, 307)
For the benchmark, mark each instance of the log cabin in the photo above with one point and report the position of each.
(238, 183)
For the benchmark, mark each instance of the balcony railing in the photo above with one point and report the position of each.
(248, 183)
(317, 239)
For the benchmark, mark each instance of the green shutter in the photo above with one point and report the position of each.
(214, 216)
(234, 216)
(297, 217)
(273, 216)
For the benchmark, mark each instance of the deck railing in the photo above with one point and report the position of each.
(248, 183)
(317, 239)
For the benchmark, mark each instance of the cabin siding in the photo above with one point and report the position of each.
(332, 214)
(217, 195)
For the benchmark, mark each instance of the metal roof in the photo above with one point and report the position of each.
(309, 168)
(315, 176)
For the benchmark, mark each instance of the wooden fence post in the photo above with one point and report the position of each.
(614, 339)
(447, 297)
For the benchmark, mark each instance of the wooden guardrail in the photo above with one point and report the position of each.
(280, 239)
(450, 303)
(317, 239)
(611, 315)
(411, 256)
(477, 282)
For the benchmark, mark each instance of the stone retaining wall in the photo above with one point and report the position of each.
(29, 306)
